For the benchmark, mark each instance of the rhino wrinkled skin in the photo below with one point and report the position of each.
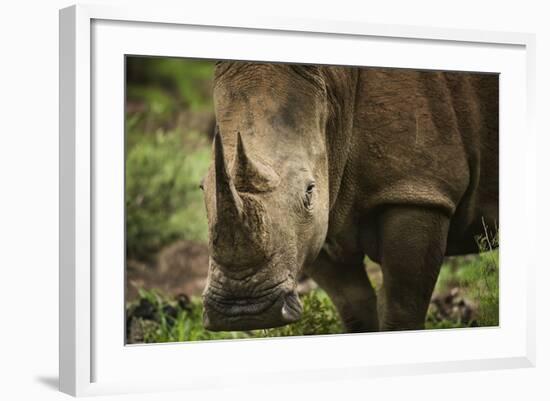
(315, 167)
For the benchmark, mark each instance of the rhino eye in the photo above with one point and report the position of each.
(309, 195)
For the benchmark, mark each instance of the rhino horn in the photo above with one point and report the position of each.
(228, 202)
(251, 176)
(238, 235)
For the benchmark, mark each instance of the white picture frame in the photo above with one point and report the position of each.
(93, 356)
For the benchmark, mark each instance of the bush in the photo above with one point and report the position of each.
(163, 199)
(160, 88)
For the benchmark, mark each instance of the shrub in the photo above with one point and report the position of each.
(163, 199)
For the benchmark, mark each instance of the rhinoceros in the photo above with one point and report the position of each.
(316, 167)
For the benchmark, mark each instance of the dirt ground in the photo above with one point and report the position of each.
(179, 268)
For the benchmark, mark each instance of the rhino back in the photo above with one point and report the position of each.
(428, 139)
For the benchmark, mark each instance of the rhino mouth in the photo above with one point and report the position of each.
(237, 306)
(276, 308)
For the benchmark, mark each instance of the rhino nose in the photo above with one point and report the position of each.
(292, 308)
(229, 314)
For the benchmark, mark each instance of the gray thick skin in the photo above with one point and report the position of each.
(405, 167)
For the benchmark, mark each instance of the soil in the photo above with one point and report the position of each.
(180, 268)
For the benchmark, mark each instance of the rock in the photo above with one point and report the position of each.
(171, 312)
(145, 310)
(137, 328)
(184, 302)
(451, 306)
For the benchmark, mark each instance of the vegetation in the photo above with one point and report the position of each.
(160, 318)
(157, 318)
(171, 320)
(165, 157)
(476, 278)
(163, 199)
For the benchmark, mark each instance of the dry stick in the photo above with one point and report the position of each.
(489, 243)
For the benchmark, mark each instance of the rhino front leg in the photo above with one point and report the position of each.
(349, 288)
(412, 246)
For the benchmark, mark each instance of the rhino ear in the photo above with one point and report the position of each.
(250, 175)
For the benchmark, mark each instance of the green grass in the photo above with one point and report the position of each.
(171, 321)
(477, 280)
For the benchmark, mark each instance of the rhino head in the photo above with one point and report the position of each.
(266, 194)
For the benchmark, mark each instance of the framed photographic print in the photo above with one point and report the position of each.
(238, 194)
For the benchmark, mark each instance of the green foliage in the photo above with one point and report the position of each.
(183, 325)
(172, 322)
(159, 106)
(187, 80)
(488, 309)
(320, 317)
(478, 280)
(163, 199)
(161, 87)
(165, 158)
(488, 287)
